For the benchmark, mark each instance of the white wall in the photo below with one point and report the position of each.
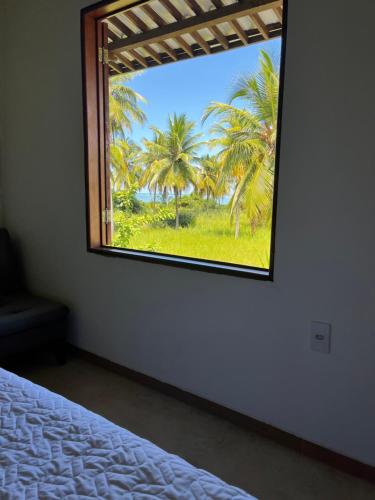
(241, 343)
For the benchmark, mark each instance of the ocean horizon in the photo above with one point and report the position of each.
(148, 197)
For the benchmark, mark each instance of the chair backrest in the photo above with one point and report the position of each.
(9, 271)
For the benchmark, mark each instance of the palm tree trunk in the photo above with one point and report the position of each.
(237, 224)
(176, 205)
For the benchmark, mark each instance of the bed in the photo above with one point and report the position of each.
(52, 448)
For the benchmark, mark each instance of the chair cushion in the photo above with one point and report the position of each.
(20, 312)
(9, 271)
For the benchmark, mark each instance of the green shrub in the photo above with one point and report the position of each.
(138, 206)
(196, 202)
(127, 225)
(126, 201)
(186, 218)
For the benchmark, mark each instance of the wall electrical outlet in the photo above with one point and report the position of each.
(320, 337)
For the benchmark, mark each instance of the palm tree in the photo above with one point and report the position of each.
(243, 159)
(172, 155)
(208, 176)
(125, 164)
(150, 159)
(261, 93)
(247, 141)
(124, 106)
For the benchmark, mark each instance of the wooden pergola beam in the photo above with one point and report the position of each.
(279, 14)
(219, 36)
(115, 66)
(210, 18)
(184, 45)
(126, 62)
(153, 15)
(171, 52)
(173, 11)
(121, 26)
(142, 61)
(260, 26)
(252, 34)
(195, 7)
(136, 20)
(201, 42)
(112, 35)
(155, 55)
(239, 31)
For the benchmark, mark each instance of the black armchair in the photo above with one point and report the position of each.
(27, 322)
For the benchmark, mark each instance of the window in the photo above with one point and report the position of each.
(182, 116)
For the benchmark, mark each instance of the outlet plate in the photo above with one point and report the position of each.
(320, 337)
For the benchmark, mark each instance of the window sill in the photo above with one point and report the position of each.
(187, 263)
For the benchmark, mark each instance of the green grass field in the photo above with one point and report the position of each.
(210, 237)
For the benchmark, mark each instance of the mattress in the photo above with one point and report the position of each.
(52, 448)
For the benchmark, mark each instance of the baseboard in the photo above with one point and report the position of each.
(284, 438)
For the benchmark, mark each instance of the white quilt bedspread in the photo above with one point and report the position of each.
(51, 448)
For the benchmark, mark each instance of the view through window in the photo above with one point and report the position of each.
(192, 89)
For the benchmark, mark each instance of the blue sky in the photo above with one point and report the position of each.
(188, 86)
